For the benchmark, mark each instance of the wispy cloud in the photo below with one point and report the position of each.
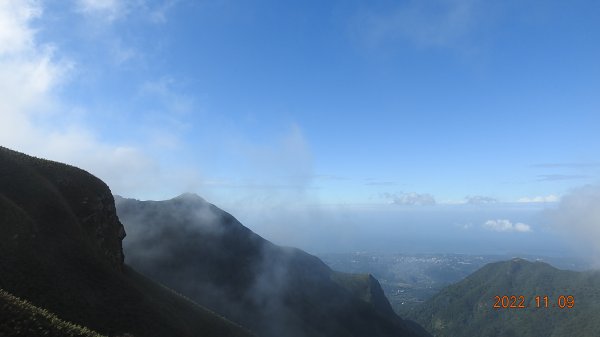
(440, 23)
(568, 165)
(410, 199)
(540, 199)
(380, 183)
(37, 120)
(329, 177)
(113, 10)
(30, 72)
(504, 225)
(15, 34)
(103, 22)
(106, 9)
(559, 177)
(170, 99)
(470, 200)
(159, 13)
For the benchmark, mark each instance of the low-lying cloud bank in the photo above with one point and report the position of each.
(577, 216)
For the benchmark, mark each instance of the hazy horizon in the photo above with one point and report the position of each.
(448, 229)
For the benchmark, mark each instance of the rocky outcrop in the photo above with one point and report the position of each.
(74, 192)
(367, 288)
(100, 221)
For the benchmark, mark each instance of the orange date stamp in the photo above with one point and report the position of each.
(520, 302)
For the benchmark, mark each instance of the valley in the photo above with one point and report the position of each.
(410, 279)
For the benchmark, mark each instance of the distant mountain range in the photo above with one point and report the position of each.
(62, 270)
(467, 307)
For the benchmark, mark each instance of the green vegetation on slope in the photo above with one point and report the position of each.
(21, 318)
(366, 288)
(466, 308)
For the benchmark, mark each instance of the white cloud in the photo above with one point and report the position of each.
(107, 9)
(504, 225)
(103, 21)
(539, 199)
(25, 66)
(521, 227)
(29, 72)
(577, 215)
(440, 23)
(111, 10)
(410, 199)
(15, 35)
(159, 13)
(35, 120)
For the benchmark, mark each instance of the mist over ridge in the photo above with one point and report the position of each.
(204, 253)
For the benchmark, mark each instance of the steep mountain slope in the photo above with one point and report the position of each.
(466, 308)
(206, 254)
(366, 288)
(60, 249)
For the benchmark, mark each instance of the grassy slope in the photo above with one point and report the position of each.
(366, 288)
(21, 318)
(51, 257)
(466, 308)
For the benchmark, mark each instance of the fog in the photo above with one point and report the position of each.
(577, 218)
(205, 254)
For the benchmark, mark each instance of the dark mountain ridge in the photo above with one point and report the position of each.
(60, 249)
(204, 253)
(467, 307)
(60, 243)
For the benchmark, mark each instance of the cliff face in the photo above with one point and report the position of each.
(67, 197)
(98, 217)
(367, 288)
(60, 249)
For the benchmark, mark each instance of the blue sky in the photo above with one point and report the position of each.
(267, 104)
